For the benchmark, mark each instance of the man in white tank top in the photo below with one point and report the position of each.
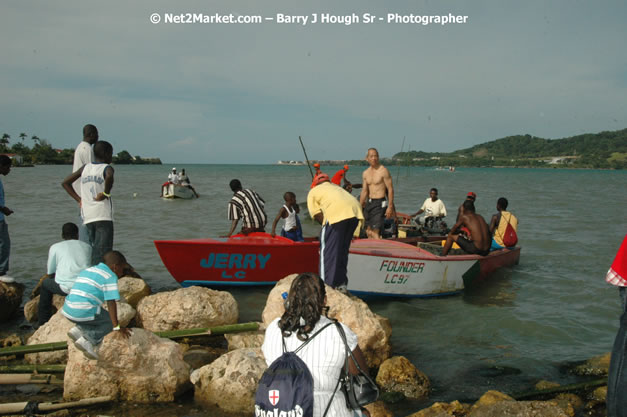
(84, 154)
(96, 182)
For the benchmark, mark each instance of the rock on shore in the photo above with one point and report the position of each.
(31, 307)
(133, 290)
(143, 368)
(373, 331)
(10, 299)
(230, 382)
(187, 308)
(400, 375)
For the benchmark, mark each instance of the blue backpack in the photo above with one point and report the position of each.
(286, 387)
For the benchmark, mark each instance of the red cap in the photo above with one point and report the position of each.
(471, 194)
(319, 178)
(345, 167)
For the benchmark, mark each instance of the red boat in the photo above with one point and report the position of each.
(256, 259)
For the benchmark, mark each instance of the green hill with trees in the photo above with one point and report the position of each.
(590, 150)
(42, 153)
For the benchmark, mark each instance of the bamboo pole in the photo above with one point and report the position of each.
(171, 334)
(22, 350)
(205, 331)
(558, 390)
(15, 408)
(14, 379)
(306, 158)
(4, 369)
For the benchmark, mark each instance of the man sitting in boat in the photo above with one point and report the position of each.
(499, 223)
(183, 180)
(434, 209)
(291, 228)
(173, 178)
(475, 223)
(248, 206)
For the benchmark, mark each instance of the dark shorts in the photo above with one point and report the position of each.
(374, 212)
(469, 247)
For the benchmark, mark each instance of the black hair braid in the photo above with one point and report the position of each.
(306, 300)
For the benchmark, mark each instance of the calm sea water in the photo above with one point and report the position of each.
(520, 327)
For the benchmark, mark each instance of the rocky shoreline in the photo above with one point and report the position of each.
(222, 372)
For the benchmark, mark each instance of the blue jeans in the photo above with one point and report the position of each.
(5, 247)
(335, 241)
(98, 328)
(48, 288)
(100, 239)
(617, 377)
(83, 235)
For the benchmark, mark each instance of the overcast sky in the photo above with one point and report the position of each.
(243, 93)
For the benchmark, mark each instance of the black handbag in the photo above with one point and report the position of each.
(359, 389)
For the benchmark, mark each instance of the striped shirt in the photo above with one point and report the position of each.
(247, 205)
(324, 356)
(92, 288)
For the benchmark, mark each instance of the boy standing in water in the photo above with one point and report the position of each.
(95, 199)
(291, 228)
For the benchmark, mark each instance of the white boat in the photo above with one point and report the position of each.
(177, 191)
(389, 268)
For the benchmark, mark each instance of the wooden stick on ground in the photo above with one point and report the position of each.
(26, 368)
(171, 334)
(15, 379)
(15, 408)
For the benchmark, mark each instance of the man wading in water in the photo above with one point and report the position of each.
(377, 182)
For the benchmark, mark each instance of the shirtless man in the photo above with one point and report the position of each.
(480, 243)
(377, 182)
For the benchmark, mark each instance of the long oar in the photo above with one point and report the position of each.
(306, 158)
(398, 171)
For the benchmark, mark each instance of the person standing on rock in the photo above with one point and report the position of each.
(5, 241)
(617, 376)
(325, 354)
(95, 199)
(83, 155)
(66, 260)
(84, 305)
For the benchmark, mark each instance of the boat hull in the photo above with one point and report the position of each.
(258, 260)
(375, 267)
(171, 191)
(388, 268)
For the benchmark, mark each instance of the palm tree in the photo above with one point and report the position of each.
(5, 141)
(36, 139)
(23, 136)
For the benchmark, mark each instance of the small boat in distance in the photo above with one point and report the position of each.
(177, 191)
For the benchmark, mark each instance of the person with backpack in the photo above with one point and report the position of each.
(308, 344)
(503, 227)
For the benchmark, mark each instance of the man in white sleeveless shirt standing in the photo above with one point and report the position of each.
(96, 180)
(84, 154)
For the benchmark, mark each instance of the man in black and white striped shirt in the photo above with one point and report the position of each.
(246, 205)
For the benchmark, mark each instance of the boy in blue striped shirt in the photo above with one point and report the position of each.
(83, 305)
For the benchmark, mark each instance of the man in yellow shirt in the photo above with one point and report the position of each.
(340, 215)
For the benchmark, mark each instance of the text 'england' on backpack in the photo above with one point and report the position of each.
(286, 387)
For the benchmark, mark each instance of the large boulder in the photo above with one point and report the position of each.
(373, 331)
(143, 368)
(31, 307)
(491, 397)
(230, 382)
(10, 299)
(518, 409)
(187, 308)
(399, 375)
(55, 330)
(133, 290)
